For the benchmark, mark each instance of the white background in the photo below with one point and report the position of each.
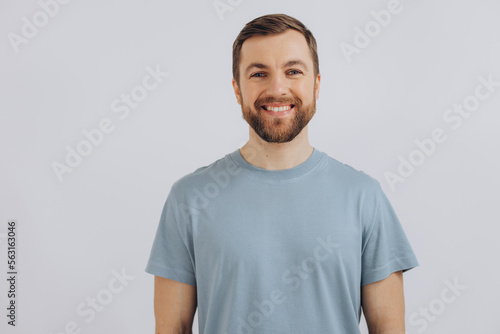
(103, 215)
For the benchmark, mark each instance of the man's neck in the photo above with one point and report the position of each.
(277, 156)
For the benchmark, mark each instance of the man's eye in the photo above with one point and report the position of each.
(260, 74)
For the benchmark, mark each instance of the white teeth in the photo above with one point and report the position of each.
(277, 109)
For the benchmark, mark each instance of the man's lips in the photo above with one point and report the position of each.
(278, 104)
(282, 110)
(275, 106)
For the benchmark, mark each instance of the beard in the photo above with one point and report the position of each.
(278, 129)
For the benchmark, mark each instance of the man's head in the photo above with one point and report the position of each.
(275, 62)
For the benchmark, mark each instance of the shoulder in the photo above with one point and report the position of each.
(205, 176)
(352, 178)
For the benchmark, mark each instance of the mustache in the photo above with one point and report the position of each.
(268, 100)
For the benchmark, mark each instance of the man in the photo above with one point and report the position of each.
(278, 237)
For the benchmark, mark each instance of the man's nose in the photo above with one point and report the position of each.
(278, 85)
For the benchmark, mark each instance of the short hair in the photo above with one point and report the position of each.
(272, 24)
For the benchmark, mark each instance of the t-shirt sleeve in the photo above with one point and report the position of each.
(386, 248)
(172, 253)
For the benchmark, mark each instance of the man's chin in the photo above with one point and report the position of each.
(271, 136)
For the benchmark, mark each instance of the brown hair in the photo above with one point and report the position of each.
(272, 24)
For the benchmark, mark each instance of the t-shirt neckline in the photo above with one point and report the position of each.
(277, 175)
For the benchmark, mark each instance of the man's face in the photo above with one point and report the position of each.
(277, 72)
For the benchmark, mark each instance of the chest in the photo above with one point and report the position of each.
(276, 230)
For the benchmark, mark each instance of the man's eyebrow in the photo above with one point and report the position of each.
(296, 62)
(287, 64)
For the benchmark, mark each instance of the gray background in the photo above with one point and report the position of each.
(103, 215)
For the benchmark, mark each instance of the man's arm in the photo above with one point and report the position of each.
(384, 306)
(174, 305)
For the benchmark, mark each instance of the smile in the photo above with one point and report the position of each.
(278, 108)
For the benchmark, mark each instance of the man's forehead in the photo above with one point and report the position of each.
(288, 39)
(288, 48)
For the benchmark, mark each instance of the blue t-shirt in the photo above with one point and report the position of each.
(278, 251)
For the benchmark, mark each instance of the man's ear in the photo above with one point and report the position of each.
(237, 91)
(318, 79)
